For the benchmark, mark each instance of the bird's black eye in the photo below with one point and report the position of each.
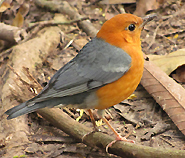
(131, 27)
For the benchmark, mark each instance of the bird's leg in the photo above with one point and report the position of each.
(93, 122)
(118, 137)
(101, 115)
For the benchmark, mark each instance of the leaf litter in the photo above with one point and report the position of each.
(140, 118)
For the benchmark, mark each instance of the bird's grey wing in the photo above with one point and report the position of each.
(97, 64)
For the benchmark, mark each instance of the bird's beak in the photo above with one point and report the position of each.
(146, 19)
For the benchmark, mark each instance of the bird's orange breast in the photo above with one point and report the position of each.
(122, 88)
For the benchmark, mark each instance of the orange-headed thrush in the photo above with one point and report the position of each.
(105, 72)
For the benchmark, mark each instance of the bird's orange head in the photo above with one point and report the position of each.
(122, 29)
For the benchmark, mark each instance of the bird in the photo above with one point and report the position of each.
(106, 71)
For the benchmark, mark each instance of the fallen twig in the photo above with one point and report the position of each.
(11, 34)
(65, 8)
(154, 36)
(61, 120)
(40, 25)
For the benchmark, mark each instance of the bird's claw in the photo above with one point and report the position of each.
(118, 139)
(95, 130)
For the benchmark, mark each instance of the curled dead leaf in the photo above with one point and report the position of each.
(4, 6)
(170, 62)
(18, 20)
(167, 93)
(180, 74)
(22, 12)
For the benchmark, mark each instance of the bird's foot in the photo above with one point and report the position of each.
(118, 138)
(95, 130)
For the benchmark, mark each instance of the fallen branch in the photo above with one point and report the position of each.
(54, 23)
(64, 8)
(40, 25)
(126, 150)
(11, 34)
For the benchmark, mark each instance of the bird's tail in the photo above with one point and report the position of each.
(26, 108)
(20, 110)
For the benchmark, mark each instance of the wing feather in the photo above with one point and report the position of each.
(97, 64)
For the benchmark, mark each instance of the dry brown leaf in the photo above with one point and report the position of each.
(4, 6)
(22, 12)
(143, 6)
(170, 62)
(81, 42)
(24, 9)
(117, 1)
(180, 74)
(18, 20)
(167, 93)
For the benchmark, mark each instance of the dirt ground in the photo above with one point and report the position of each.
(140, 118)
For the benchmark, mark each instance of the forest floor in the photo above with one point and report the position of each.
(140, 118)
